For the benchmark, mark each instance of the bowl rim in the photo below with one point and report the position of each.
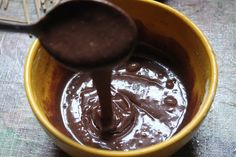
(190, 127)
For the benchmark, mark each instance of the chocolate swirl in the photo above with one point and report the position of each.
(148, 100)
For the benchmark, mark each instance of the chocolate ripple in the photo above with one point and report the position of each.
(148, 100)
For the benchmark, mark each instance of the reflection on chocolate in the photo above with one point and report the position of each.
(169, 84)
(148, 99)
(170, 101)
(133, 67)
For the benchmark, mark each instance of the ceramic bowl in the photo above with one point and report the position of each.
(43, 75)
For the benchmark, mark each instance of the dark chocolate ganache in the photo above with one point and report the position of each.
(149, 102)
(87, 34)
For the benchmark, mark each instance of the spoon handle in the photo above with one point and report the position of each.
(16, 28)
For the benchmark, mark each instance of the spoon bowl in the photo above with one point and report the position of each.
(84, 34)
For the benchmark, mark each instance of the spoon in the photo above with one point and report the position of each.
(83, 34)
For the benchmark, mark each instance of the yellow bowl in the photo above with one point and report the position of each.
(43, 75)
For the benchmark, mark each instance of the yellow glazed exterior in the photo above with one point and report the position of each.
(41, 71)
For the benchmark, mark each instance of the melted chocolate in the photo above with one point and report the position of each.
(148, 101)
(88, 34)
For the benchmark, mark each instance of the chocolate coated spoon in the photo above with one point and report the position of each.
(86, 35)
(83, 34)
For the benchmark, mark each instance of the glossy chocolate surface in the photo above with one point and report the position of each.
(148, 105)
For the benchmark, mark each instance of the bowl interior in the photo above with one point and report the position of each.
(189, 54)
